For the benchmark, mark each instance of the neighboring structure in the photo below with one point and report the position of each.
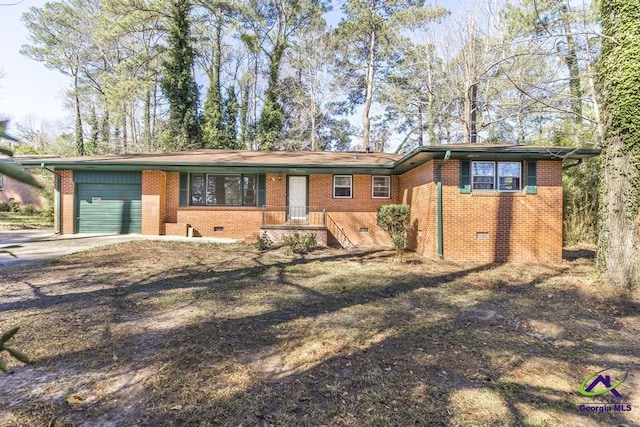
(12, 190)
(480, 203)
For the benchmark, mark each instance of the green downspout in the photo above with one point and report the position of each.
(439, 202)
(572, 165)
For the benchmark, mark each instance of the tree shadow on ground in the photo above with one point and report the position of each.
(368, 348)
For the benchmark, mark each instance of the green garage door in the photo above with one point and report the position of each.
(108, 202)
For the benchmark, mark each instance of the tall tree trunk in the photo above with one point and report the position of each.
(619, 227)
(125, 141)
(473, 113)
(431, 113)
(314, 142)
(571, 60)
(79, 139)
(420, 126)
(244, 117)
(366, 122)
(146, 132)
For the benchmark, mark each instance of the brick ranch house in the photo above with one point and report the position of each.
(480, 203)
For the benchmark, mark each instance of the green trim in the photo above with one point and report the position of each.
(465, 176)
(242, 189)
(184, 190)
(532, 177)
(439, 216)
(56, 202)
(262, 189)
(415, 158)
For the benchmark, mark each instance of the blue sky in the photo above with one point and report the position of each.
(28, 89)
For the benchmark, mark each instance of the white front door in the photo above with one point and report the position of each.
(297, 209)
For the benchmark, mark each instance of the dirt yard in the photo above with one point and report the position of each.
(166, 333)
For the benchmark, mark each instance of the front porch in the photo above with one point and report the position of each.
(278, 221)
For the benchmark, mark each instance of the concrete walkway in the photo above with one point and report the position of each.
(25, 246)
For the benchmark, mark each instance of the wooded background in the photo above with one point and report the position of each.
(164, 75)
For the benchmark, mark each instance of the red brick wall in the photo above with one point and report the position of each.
(238, 222)
(67, 202)
(353, 214)
(153, 202)
(518, 227)
(172, 197)
(418, 189)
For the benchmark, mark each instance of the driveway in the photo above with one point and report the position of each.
(25, 246)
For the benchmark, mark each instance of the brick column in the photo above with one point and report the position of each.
(67, 202)
(153, 202)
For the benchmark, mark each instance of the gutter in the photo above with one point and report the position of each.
(439, 227)
(57, 206)
(572, 165)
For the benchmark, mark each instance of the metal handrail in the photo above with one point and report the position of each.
(338, 230)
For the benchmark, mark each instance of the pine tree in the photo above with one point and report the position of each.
(212, 127)
(178, 84)
(91, 147)
(230, 132)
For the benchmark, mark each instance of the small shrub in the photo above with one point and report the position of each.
(28, 209)
(394, 219)
(48, 215)
(263, 242)
(14, 206)
(4, 207)
(300, 243)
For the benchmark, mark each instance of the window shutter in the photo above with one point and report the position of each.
(465, 176)
(262, 189)
(532, 177)
(184, 189)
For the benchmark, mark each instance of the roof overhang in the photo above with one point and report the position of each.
(500, 153)
(214, 167)
(409, 161)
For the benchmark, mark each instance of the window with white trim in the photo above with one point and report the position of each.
(483, 175)
(496, 176)
(342, 186)
(381, 187)
(509, 176)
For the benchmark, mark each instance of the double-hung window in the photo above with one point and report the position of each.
(223, 190)
(483, 175)
(342, 186)
(500, 176)
(509, 176)
(381, 187)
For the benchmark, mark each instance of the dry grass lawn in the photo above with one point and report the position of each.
(167, 333)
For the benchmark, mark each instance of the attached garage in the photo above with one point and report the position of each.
(108, 202)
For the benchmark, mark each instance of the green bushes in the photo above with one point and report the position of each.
(28, 209)
(263, 242)
(394, 219)
(16, 207)
(297, 243)
(300, 243)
